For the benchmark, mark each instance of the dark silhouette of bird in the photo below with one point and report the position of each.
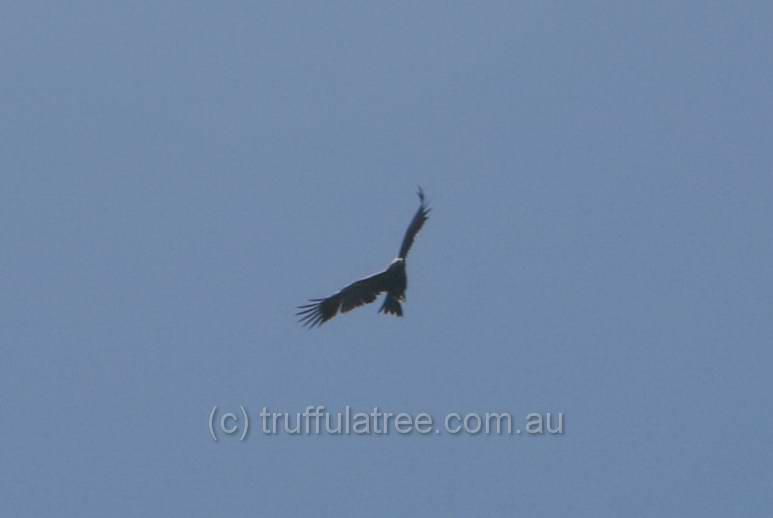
(393, 281)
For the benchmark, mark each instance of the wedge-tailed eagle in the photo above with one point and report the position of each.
(393, 281)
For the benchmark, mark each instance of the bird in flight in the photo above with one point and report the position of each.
(393, 281)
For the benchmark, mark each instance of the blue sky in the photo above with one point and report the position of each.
(178, 176)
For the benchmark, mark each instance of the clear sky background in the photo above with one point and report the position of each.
(178, 176)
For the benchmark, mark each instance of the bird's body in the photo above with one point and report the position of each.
(397, 283)
(393, 281)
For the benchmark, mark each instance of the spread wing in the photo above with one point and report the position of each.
(358, 293)
(422, 215)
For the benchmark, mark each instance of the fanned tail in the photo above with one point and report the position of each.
(391, 306)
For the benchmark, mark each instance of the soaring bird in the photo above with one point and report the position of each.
(393, 281)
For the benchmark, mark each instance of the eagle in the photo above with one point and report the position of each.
(393, 281)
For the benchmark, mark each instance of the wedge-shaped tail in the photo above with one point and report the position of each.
(391, 306)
